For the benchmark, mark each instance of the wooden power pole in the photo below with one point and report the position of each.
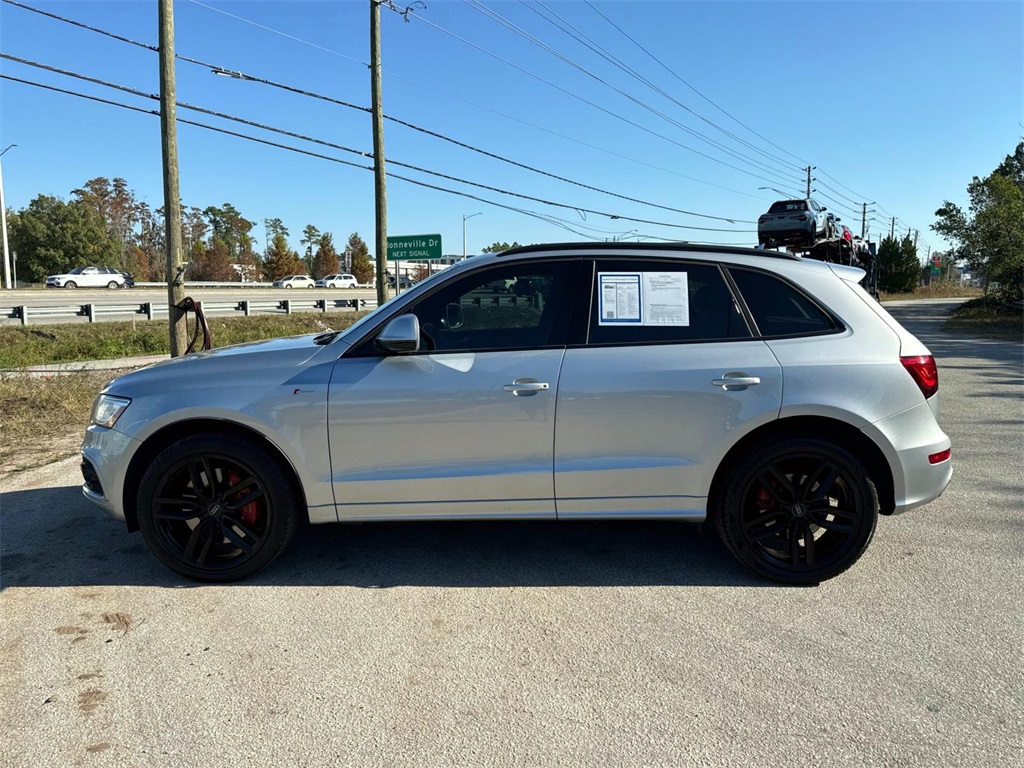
(172, 195)
(379, 178)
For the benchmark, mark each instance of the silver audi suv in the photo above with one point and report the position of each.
(763, 392)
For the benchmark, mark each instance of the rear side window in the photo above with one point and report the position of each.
(778, 308)
(710, 313)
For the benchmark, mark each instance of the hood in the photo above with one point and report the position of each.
(275, 359)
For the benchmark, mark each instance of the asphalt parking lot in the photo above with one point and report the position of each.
(534, 644)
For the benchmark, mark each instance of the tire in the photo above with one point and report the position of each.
(311, 285)
(787, 489)
(71, 284)
(288, 286)
(208, 536)
(353, 287)
(112, 285)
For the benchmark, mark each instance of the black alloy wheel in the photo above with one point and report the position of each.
(217, 507)
(799, 510)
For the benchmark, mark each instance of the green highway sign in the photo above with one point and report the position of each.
(414, 247)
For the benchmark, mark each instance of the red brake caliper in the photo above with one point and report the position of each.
(250, 510)
(764, 499)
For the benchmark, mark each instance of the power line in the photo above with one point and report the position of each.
(343, 148)
(587, 101)
(389, 73)
(217, 69)
(688, 85)
(156, 113)
(568, 28)
(495, 16)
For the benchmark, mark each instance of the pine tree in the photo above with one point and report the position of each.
(281, 260)
(362, 267)
(325, 260)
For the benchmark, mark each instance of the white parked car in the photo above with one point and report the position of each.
(614, 380)
(338, 281)
(295, 281)
(88, 277)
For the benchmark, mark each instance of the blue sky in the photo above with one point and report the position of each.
(899, 102)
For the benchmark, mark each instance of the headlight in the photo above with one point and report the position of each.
(108, 409)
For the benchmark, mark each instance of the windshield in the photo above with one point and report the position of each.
(77, 271)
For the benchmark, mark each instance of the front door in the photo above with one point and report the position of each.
(465, 426)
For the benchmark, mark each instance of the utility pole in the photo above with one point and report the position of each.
(809, 169)
(379, 178)
(172, 195)
(892, 228)
(3, 226)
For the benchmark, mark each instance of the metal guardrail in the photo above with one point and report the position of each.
(246, 307)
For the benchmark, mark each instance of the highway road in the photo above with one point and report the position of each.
(534, 644)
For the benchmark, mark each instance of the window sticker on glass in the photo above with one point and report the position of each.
(620, 298)
(644, 298)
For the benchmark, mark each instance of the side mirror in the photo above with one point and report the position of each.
(453, 316)
(824, 208)
(400, 336)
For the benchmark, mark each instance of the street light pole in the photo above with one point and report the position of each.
(3, 225)
(465, 218)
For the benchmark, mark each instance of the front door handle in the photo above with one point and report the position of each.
(735, 381)
(526, 386)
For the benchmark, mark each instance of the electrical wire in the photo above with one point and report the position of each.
(390, 73)
(243, 76)
(668, 69)
(495, 16)
(568, 28)
(577, 97)
(343, 148)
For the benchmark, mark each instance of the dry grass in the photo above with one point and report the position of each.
(987, 319)
(941, 289)
(42, 420)
(71, 342)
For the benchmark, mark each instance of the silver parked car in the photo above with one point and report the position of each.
(612, 380)
(793, 222)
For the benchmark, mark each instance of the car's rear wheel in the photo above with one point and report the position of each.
(797, 510)
(70, 284)
(353, 286)
(216, 507)
(112, 285)
(311, 285)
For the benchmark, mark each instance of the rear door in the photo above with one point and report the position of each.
(668, 379)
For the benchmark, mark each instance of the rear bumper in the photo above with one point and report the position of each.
(786, 233)
(908, 439)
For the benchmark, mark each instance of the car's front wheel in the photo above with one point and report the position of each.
(70, 284)
(797, 510)
(217, 507)
(287, 285)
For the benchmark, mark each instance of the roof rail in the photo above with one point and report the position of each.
(680, 247)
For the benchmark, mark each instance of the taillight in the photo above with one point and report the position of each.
(941, 456)
(922, 369)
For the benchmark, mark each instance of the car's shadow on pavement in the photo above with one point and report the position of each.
(52, 537)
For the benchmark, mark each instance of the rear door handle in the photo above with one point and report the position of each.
(735, 381)
(526, 386)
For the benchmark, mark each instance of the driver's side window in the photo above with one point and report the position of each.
(519, 306)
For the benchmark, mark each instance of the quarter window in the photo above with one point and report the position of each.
(778, 308)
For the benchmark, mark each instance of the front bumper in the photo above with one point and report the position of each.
(108, 453)
(908, 439)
